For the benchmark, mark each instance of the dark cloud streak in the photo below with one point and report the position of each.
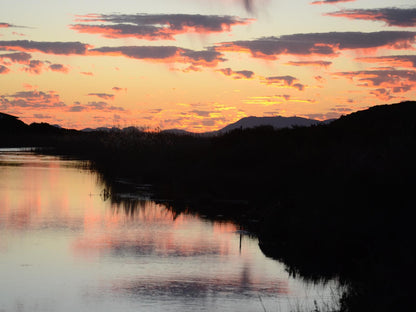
(324, 44)
(331, 1)
(156, 26)
(206, 58)
(391, 16)
(59, 48)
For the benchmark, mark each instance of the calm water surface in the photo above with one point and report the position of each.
(63, 247)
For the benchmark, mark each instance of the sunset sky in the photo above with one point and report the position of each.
(202, 64)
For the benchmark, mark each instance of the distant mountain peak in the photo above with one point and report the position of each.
(276, 122)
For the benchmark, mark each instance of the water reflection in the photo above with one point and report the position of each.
(65, 245)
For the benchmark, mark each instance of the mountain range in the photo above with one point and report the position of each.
(9, 123)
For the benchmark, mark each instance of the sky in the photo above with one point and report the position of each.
(200, 65)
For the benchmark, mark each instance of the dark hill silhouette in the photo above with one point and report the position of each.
(11, 124)
(14, 132)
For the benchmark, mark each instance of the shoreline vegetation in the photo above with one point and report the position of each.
(331, 200)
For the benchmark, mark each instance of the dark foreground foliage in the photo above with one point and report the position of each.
(333, 200)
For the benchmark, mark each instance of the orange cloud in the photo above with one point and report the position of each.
(392, 60)
(274, 100)
(156, 26)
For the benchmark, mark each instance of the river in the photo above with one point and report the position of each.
(66, 246)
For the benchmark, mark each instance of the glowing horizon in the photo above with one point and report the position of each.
(201, 65)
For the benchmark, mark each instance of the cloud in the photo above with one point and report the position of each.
(94, 106)
(31, 99)
(283, 81)
(274, 100)
(18, 57)
(320, 79)
(58, 48)
(87, 73)
(118, 89)
(104, 96)
(331, 1)
(42, 116)
(324, 44)
(391, 16)
(201, 113)
(6, 25)
(310, 63)
(77, 108)
(241, 74)
(4, 70)
(59, 68)
(386, 81)
(392, 60)
(383, 94)
(18, 34)
(155, 26)
(28, 86)
(34, 67)
(167, 54)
